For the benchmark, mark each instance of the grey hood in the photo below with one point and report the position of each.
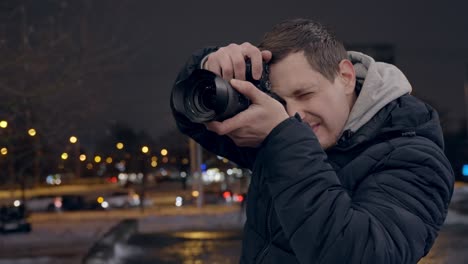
(381, 84)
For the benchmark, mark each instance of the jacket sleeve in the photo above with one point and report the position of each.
(220, 145)
(393, 216)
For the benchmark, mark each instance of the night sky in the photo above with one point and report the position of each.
(430, 39)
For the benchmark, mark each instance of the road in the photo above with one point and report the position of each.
(168, 234)
(223, 247)
(450, 247)
(58, 238)
(65, 238)
(213, 247)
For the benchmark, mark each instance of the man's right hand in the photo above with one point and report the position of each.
(229, 61)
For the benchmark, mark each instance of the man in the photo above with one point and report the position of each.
(350, 169)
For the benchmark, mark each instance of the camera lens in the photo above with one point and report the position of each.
(204, 96)
(207, 97)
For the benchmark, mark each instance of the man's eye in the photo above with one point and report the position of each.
(306, 95)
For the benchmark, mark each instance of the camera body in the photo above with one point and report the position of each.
(205, 96)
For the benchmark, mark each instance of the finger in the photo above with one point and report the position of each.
(249, 90)
(212, 126)
(227, 126)
(238, 62)
(212, 66)
(257, 65)
(255, 59)
(225, 64)
(231, 124)
(266, 55)
(226, 68)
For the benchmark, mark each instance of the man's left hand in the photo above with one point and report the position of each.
(250, 127)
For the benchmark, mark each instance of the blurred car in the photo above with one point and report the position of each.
(120, 199)
(70, 202)
(13, 218)
(40, 203)
(221, 197)
(211, 197)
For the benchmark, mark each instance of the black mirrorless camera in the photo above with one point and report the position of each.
(205, 96)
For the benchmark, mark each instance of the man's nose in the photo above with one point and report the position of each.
(292, 110)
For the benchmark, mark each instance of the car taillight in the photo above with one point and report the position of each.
(58, 202)
(227, 195)
(238, 198)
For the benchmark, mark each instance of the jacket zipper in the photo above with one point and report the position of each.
(264, 250)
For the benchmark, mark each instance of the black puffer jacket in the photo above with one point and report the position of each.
(379, 196)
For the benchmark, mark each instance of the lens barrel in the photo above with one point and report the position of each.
(205, 96)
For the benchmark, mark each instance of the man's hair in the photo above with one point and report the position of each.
(320, 46)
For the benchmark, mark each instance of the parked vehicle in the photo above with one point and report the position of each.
(40, 203)
(14, 219)
(123, 199)
(70, 202)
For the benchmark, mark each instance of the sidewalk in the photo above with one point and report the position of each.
(70, 235)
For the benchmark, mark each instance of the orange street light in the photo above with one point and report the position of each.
(164, 152)
(3, 124)
(73, 139)
(145, 149)
(32, 132)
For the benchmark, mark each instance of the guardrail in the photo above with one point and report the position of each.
(104, 250)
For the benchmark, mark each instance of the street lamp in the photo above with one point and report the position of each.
(145, 149)
(64, 156)
(119, 145)
(82, 157)
(73, 139)
(32, 132)
(97, 159)
(4, 151)
(164, 152)
(3, 124)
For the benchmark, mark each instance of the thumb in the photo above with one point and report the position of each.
(266, 55)
(249, 90)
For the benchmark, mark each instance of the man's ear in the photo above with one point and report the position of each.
(347, 76)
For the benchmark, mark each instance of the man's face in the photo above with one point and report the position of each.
(324, 105)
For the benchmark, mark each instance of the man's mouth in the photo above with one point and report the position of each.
(315, 127)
